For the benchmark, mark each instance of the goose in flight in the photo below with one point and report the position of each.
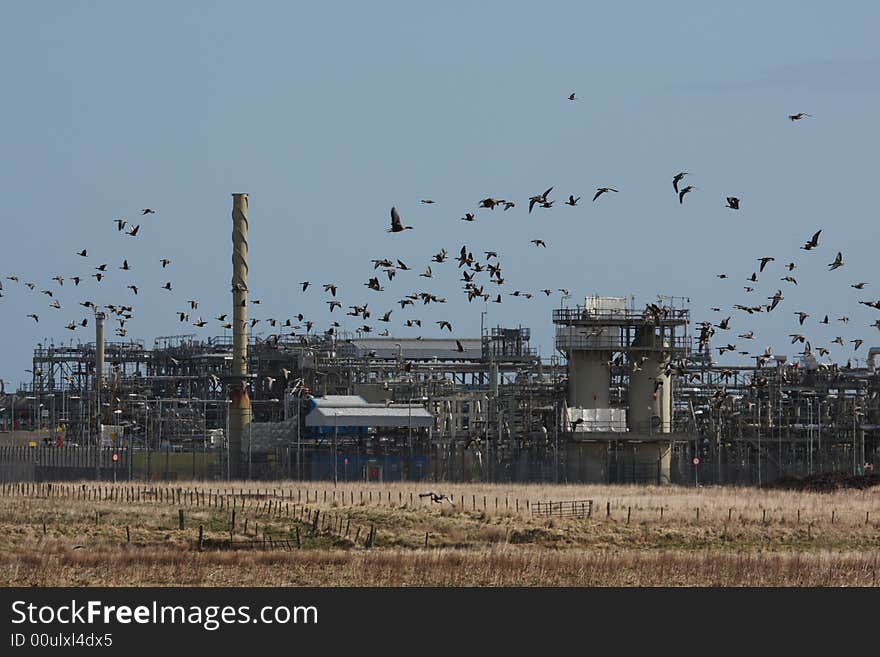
(802, 316)
(858, 286)
(134, 231)
(437, 497)
(165, 262)
(148, 211)
(572, 201)
(602, 190)
(572, 97)
(733, 202)
(677, 179)
(764, 262)
(799, 116)
(538, 243)
(838, 262)
(120, 224)
(813, 242)
(685, 190)
(540, 199)
(396, 225)
(443, 324)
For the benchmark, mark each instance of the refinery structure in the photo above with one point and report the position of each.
(629, 396)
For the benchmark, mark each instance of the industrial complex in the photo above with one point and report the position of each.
(629, 396)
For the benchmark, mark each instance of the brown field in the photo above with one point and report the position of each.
(97, 534)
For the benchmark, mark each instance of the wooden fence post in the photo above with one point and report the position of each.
(629, 510)
(201, 530)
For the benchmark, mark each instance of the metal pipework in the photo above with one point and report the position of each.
(240, 403)
(99, 363)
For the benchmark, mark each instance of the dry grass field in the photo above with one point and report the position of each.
(98, 534)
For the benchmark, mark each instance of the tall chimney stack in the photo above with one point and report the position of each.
(240, 402)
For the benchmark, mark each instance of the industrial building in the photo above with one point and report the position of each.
(627, 397)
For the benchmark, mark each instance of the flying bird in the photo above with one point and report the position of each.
(538, 243)
(798, 116)
(148, 211)
(572, 97)
(684, 191)
(443, 324)
(120, 224)
(813, 242)
(396, 225)
(838, 262)
(733, 202)
(602, 190)
(677, 179)
(540, 199)
(165, 262)
(572, 201)
(764, 262)
(134, 231)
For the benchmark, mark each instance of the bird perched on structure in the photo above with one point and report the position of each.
(396, 225)
(602, 190)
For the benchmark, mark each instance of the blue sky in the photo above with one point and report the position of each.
(328, 114)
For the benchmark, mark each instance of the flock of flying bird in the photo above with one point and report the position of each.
(482, 279)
